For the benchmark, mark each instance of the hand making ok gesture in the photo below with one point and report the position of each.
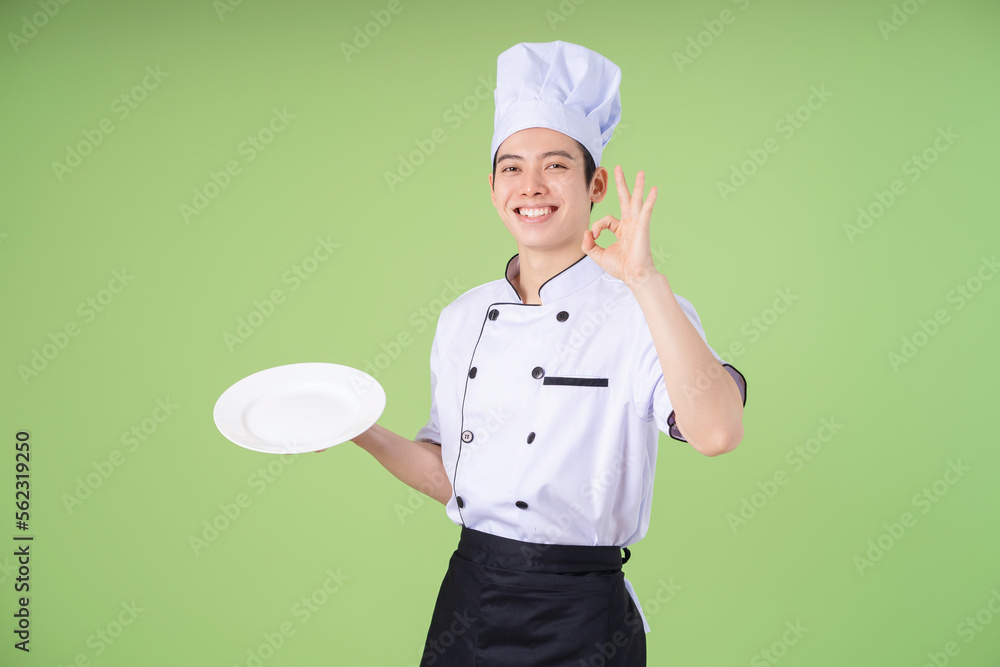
(629, 258)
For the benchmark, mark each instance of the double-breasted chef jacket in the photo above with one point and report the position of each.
(549, 415)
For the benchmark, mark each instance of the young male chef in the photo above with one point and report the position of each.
(550, 386)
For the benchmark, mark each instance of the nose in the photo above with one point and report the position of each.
(532, 182)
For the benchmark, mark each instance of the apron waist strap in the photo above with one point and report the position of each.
(495, 551)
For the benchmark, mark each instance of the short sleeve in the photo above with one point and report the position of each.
(431, 432)
(652, 400)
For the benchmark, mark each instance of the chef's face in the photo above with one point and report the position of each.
(540, 189)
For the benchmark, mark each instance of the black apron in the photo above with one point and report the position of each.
(506, 603)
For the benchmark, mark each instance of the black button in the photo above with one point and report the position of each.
(494, 314)
(466, 436)
(521, 504)
(562, 316)
(472, 372)
(531, 437)
(537, 372)
(461, 503)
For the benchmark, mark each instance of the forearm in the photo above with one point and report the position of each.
(417, 464)
(707, 403)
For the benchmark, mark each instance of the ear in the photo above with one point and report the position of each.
(599, 187)
(493, 195)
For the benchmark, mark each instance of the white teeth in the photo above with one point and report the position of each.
(535, 212)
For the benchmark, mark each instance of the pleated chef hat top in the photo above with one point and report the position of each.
(559, 86)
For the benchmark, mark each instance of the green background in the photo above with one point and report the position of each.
(323, 175)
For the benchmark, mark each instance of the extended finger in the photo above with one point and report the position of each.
(647, 206)
(637, 194)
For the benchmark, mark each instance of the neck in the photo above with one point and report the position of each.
(537, 267)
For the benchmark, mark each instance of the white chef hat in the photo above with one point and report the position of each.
(559, 86)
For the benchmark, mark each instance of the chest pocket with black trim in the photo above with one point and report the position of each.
(575, 381)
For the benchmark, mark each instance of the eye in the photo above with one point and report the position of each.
(507, 168)
(556, 164)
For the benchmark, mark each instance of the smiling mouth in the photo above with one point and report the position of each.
(534, 213)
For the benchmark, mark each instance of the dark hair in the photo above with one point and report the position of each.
(589, 168)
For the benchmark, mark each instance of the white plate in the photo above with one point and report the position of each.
(299, 407)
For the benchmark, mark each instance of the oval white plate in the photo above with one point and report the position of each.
(299, 407)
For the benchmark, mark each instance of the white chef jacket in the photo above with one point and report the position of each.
(548, 416)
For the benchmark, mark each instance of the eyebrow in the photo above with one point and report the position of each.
(547, 154)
